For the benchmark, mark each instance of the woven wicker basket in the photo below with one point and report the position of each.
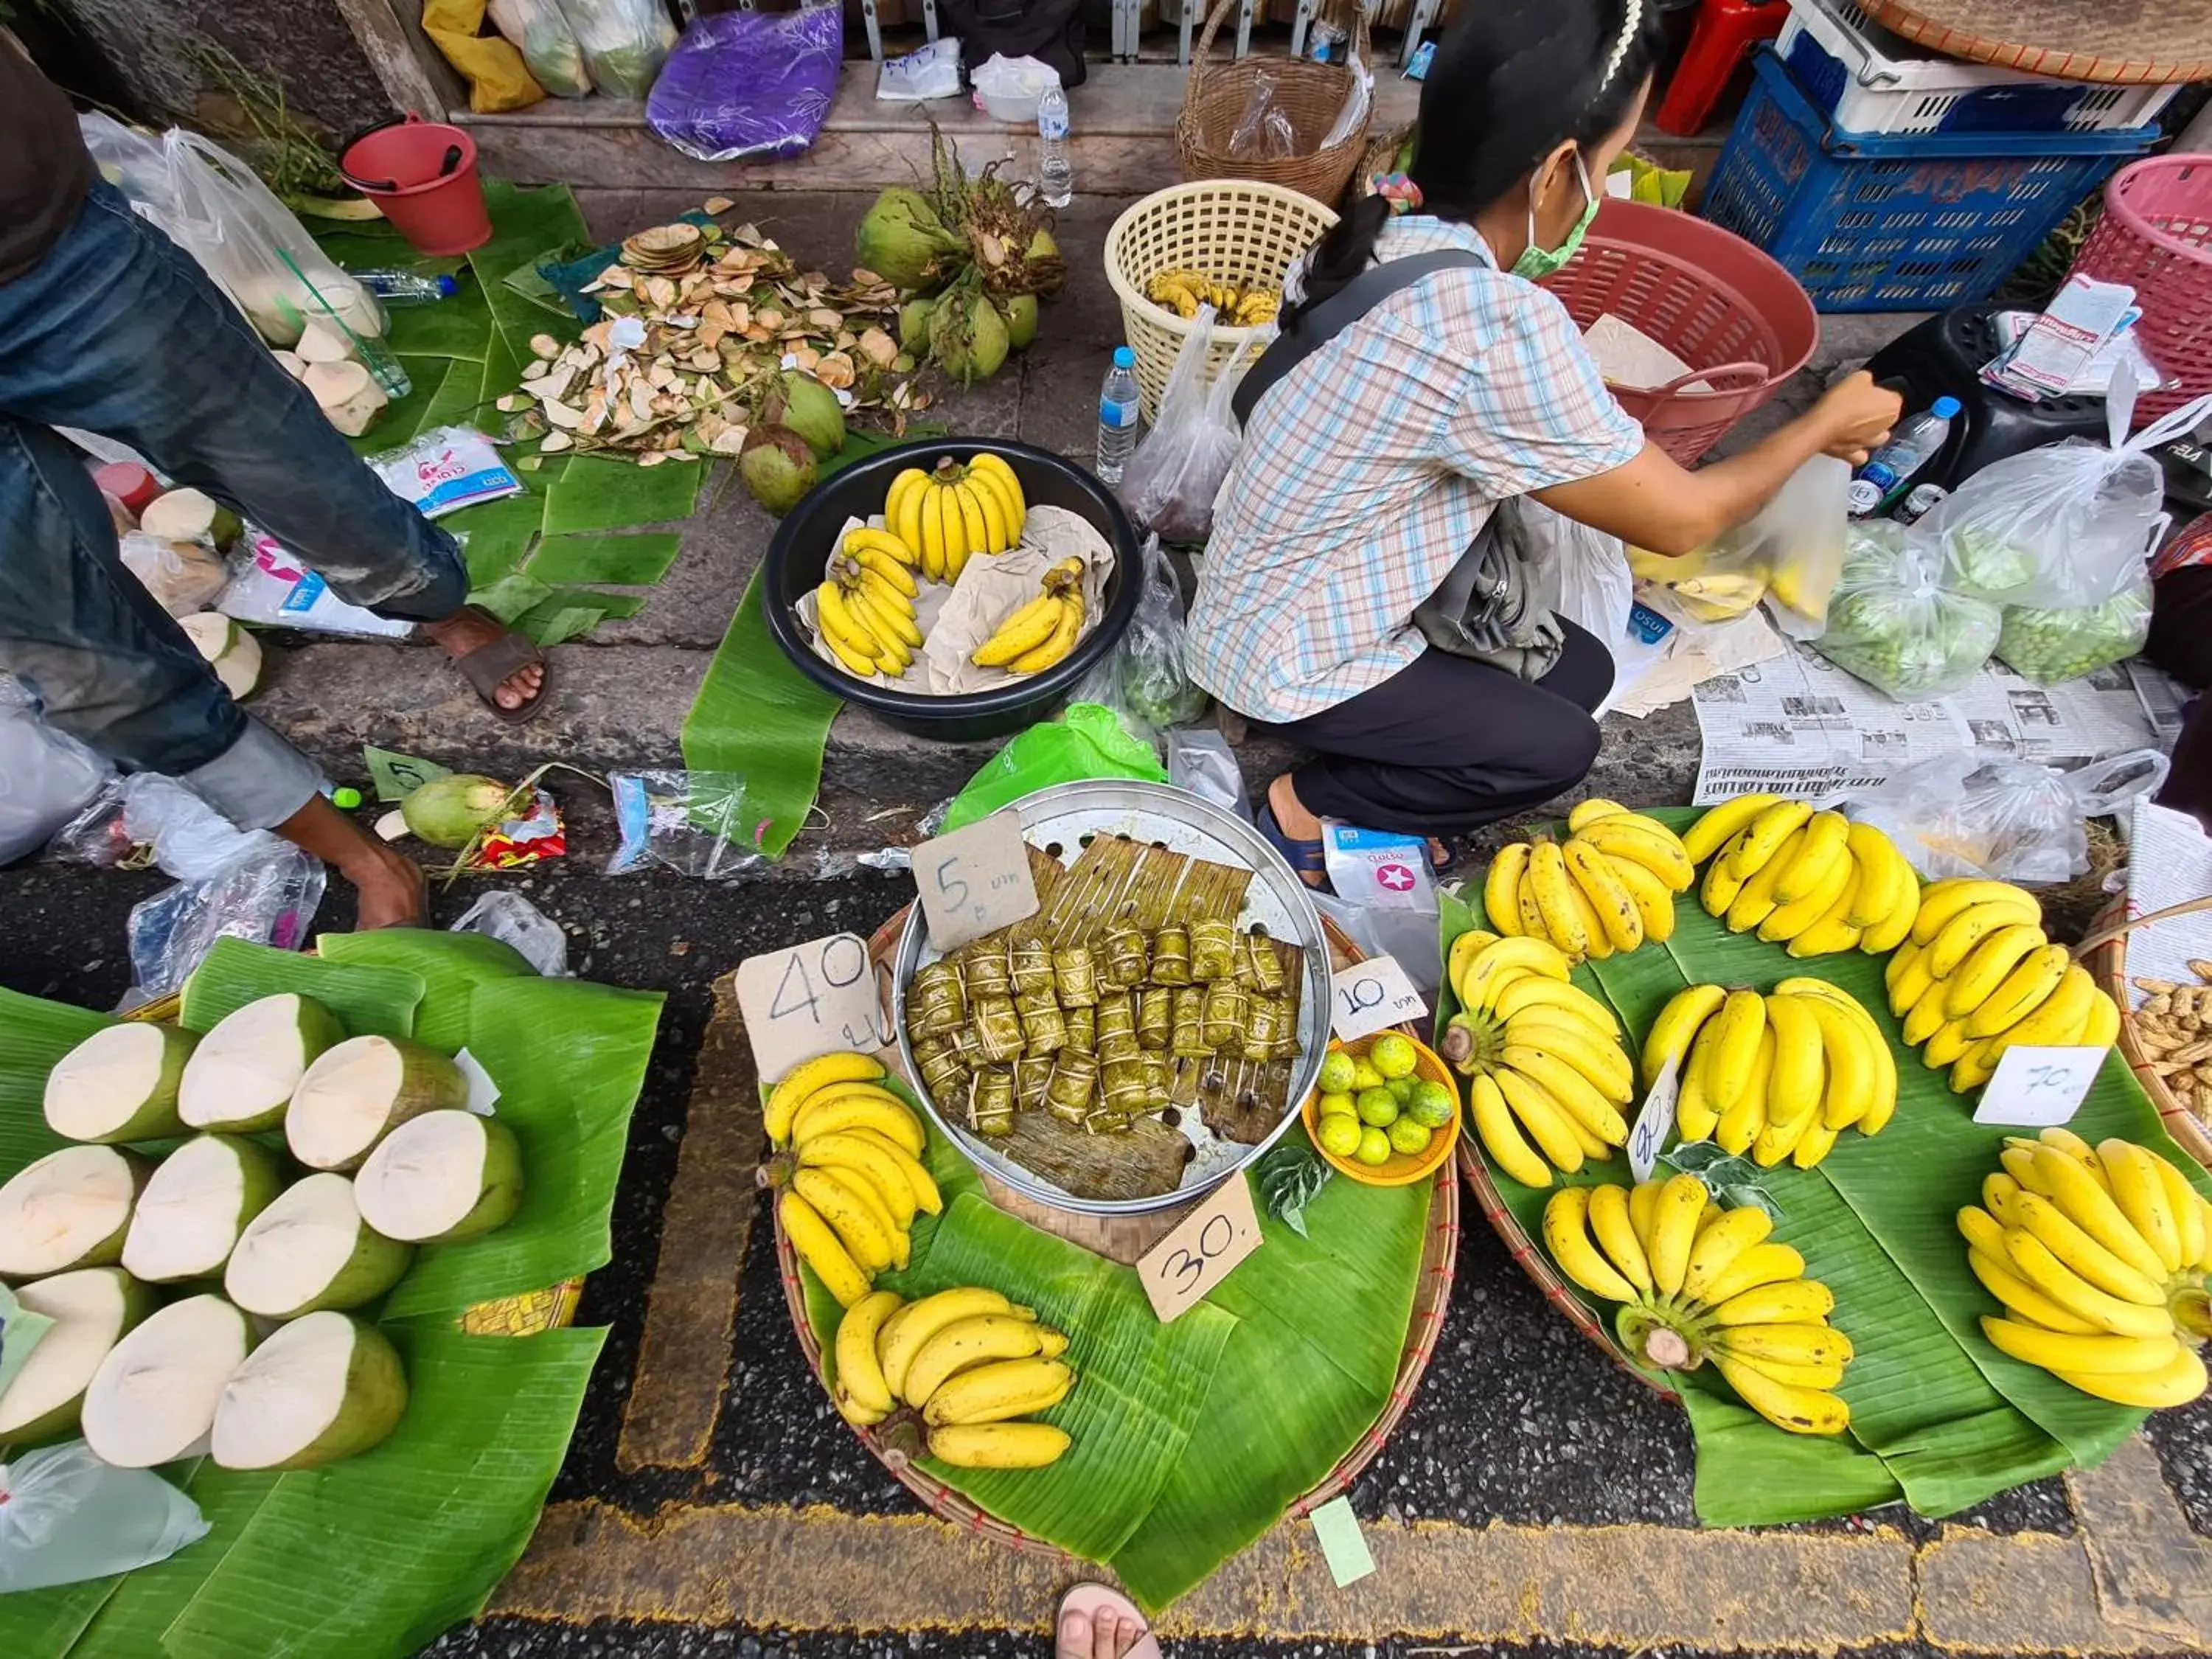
(1312, 95)
(1234, 231)
(2108, 962)
(1432, 1294)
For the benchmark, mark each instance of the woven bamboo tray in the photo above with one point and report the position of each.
(2109, 963)
(1432, 1294)
(2119, 42)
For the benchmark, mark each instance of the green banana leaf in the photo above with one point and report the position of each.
(376, 1001)
(449, 970)
(33, 1034)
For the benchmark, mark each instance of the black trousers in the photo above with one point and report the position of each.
(2181, 643)
(1448, 744)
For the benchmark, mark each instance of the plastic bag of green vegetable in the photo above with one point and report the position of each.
(2050, 646)
(1892, 623)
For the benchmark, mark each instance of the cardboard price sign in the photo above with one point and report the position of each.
(1653, 1123)
(1370, 995)
(814, 999)
(1203, 1250)
(975, 881)
(2036, 1088)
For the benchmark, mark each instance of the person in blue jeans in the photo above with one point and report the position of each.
(107, 326)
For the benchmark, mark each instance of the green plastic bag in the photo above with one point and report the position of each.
(1087, 741)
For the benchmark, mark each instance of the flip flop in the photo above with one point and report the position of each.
(1305, 857)
(490, 665)
(1090, 1600)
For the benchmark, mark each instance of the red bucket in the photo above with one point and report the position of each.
(423, 175)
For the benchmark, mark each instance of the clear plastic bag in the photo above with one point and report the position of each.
(624, 42)
(65, 1517)
(183, 577)
(749, 83)
(695, 823)
(1144, 676)
(547, 44)
(45, 776)
(1201, 760)
(2050, 646)
(2011, 820)
(1170, 482)
(1787, 555)
(133, 162)
(516, 923)
(268, 898)
(1582, 573)
(1892, 623)
(1263, 132)
(2065, 527)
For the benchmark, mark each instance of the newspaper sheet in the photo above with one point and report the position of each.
(2169, 862)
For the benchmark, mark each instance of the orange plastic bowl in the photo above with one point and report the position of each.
(1401, 1170)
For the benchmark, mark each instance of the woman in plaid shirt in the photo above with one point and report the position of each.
(1368, 469)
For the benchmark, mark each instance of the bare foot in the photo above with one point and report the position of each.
(467, 630)
(1103, 1635)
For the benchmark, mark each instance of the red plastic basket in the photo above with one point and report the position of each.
(1739, 320)
(2156, 235)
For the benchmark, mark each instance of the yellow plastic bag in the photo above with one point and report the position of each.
(498, 78)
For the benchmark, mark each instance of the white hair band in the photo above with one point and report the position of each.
(1635, 15)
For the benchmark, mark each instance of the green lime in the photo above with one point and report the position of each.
(1374, 1147)
(1378, 1107)
(1393, 1055)
(1365, 1076)
(1409, 1137)
(1336, 1072)
(1340, 1136)
(1402, 1088)
(1433, 1104)
(1336, 1105)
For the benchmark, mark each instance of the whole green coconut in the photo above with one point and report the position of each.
(967, 337)
(1047, 274)
(448, 811)
(913, 324)
(778, 468)
(904, 242)
(1021, 320)
(812, 410)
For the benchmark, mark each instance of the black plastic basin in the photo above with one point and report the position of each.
(799, 553)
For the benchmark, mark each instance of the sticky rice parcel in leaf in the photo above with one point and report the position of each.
(1082, 1028)
(1075, 976)
(1043, 1028)
(1128, 1089)
(1213, 950)
(937, 1001)
(1171, 956)
(1074, 1083)
(942, 1073)
(1264, 964)
(987, 969)
(1032, 1075)
(1127, 956)
(153, 1400)
(1155, 1016)
(1263, 1027)
(241, 1076)
(68, 1209)
(358, 1091)
(441, 1175)
(120, 1085)
(310, 1249)
(1031, 963)
(323, 1388)
(991, 1105)
(1117, 1027)
(998, 1030)
(1222, 1023)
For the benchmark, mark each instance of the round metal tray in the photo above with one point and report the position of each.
(1062, 821)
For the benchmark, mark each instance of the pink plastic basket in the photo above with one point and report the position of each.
(2156, 235)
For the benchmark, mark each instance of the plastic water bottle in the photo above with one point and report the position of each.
(397, 285)
(1888, 475)
(1055, 173)
(1117, 416)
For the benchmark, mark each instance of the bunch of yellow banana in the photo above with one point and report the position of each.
(1777, 1076)
(1697, 1282)
(1042, 631)
(968, 1361)
(1608, 888)
(1814, 880)
(1979, 976)
(2100, 1256)
(1704, 592)
(1549, 1078)
(945, 516)
(866, 608)
(853, 1178)
(1183, 291)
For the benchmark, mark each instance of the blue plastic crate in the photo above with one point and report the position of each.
(1911, 222)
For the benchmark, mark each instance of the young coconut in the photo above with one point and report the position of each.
(443, 1175)
(1021, 311)
(233, 653)
(153, 1400)
(195, 1205)
(70, 1209)
(810, 408)
(913, 324)
(449, 811)
(91, 1310)
(322, 1388)
(188, 515)
(323, 343)
(244, 1071)
(778, 468)
(119, 1085)
(310, 1249)
(358, 1091)
(348, 395)
(903, 241)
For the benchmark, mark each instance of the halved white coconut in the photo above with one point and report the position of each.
(243, 1073)
(153, 1399)
(70, 1209)
(233, 653)
(320, 1389)
(119, 1083)
(358, 1093)
(441, 1175)
(195, 1205)
(91, 1310)
(311, 1249)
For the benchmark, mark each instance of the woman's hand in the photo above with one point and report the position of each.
(1856, 416)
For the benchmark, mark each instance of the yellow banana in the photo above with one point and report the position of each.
(1852, 1078)
(1800, 1060)
(1764, 838)
(1597, 943)
(1906, 977)
(912, 528)
(1755, 902)
(803, 1080)
(1615, 1233)
(1566, 1236)
(955, 523)
(859, 1416)
(1737, 1032)
(1786, 923)
(1883, 875)
(893, 556)
(1946, 1045)
(1061, 642)
(1502, 1138)
(2058, 1352)
(1582, 1099)
(1653, 898)
(1792, 1302)
(1590, 811)
(895, 499)
(920, 1182)
(1949, 951)
(1464, 950)
(1646, 841)
(975, 530)
(1722, 1237)
(994, 1392)
(1501, 886)
(2060, 1138)
(1779, 1141)
(1720, 824)
(1943, 902)
(1532, 914)
(2179, 1382)
(1547, 990)
(964, 1343)
(995, 467)
(1881, 1105)
(858, 1217)
(1675, 1214)
(1928, 1016)
(1820, 1377)
(1722, 884)
(2102, 1027)
(1830, 932)
(998, 1445)
(1815, 1143)
(820, 1248)
(878, 573)
(2000, 1280)
(1555, 899)
(847, 635)
(1801, 1411)
(891, 652)
(1592, 872)
(1001, 497)
(2182, 1204)
(1981, 1230)
(2047, 1273)
(2058, 1019)
(1791, 1344)
(929, 524)
(2084, 1201)
(1574, 1039)
(858, 1372)
(1021, 633)
(1763, 1263)
(908, 1330)
(1998, 1191)
(1538, 956)
(1824, 848)
(868, 1160)
(1547, 1122)
(2025, 985)
(993, 507)
(1678, 1023)
(858, 1106)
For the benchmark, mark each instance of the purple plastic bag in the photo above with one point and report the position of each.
(749, 83)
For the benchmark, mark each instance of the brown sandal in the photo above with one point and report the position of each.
(492, 664)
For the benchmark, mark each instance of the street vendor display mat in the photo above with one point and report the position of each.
(1939, 1417)
(377, 1554)
(1191, 1439)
